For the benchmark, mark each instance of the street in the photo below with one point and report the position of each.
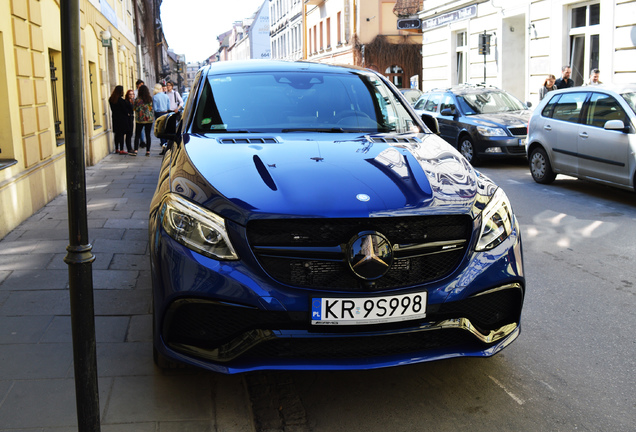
(572, 368)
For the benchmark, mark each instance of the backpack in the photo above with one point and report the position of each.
(143, 112)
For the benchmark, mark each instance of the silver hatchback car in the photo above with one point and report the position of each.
(585, 132)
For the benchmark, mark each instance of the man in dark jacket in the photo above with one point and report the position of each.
(564, 81)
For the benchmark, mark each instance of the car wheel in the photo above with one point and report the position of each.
(467, 149)
(540, 167)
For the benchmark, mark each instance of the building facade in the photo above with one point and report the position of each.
(32, 136)
(286, 29)
(365, 34)
(529, 39)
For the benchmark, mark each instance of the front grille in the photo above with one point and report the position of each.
(206, 326)
(311, 253)
(519, 131)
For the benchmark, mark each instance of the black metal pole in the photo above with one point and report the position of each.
(79, 257)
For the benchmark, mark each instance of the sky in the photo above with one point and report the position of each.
(191, 26)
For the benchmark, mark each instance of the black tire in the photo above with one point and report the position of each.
(540, 166)
(467, 149)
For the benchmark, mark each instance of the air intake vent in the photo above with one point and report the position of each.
(396, 140)
(248, 141)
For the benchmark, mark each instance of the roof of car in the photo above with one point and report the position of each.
(466, 89)
(617, 88)
(276, 65)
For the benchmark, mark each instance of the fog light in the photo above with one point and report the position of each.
(493, 150)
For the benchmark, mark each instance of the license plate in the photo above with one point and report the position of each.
(368, 310)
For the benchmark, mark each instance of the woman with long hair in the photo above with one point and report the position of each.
(548, 85)
(130, 119)
(144, 117)
(118, 111)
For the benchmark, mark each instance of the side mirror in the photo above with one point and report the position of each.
(166, 126)
(448, 112)
(529, 104)
(431, 123)
(616, 125)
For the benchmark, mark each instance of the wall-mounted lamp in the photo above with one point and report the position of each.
(107, 39)
(122, 48)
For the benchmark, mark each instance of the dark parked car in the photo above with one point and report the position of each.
(481, 122)
(306, 218)
(585, 132)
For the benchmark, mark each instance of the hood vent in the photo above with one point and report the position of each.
(394, 140)
(248, 141)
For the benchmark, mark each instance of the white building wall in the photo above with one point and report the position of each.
(286, 29)
(539, 45)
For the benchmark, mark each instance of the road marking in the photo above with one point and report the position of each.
(509, 393)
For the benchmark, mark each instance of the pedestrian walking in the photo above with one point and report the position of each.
(595, 74)
(176, 103)
(565, 81)
(144, 117)
(138, 84)
(118, 112)
(130, 119)
(548, 85)
(161, 106)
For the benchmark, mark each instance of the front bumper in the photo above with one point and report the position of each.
(225, 318)
(501, 146)
(237, 339)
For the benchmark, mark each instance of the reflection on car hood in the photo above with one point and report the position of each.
(513, 118)
(317, 176)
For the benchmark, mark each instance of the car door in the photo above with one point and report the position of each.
(561, 132)
(448, 124)
(604, 154)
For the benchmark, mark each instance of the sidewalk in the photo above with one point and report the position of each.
(37, 390)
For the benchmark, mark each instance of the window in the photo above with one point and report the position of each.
(339, 29)
(568, 108)
(421, 103)
(433, 102)
(321, 37)
(584, 41)
(55, 61)
(395, 74)
(603, 108)
(328, 32)
(461, 56)
(448, 103)
(92, 68)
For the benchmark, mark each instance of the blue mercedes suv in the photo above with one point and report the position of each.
(306, 218)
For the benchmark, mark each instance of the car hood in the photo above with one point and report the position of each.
(352, 176)
(513, 118)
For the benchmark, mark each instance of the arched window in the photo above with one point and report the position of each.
(395, 74)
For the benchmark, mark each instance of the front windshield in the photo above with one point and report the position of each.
(300, 101)
(489, 103)
(630, 98)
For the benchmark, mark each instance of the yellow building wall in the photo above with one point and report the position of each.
(32, 158)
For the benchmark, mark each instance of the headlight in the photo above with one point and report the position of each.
(196, 228)
(491, 131)
(496, 222)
